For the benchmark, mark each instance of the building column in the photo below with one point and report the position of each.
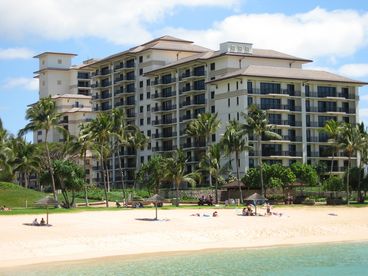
(304, 124)
(113, 176)
(177, 109)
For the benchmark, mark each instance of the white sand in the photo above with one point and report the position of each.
(99, 234)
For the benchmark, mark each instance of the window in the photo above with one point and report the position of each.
(149, 156)
(228, 87)
(228, 102)
(213, 66)
(59, 82)
(149, 146)
(141, 122)
(212, 94)
(149, 133)
(148, 120)
(148, 107)
(326, 91)
(141, 84)
(229, 117)
(142, 159)
(237, 100)
(213, 137)
(148, 96)
(141, 109)
(270, 87)
(60, 61)
(39, 132)
(250, 87)
(141, 97)
(237, 85)
(141, 71)
(148, 82)
(237, 116)
(140, 59)
(213, 109)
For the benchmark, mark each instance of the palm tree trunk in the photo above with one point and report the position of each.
(177, 193)
(210, 174)
(26, 180)
(51, 169)
(122, 177)
(332, 161)
(104, 179)
(85, 179)
(347, 180)
(359, 179)
(136, 169)
(238, 176)
(259, 149)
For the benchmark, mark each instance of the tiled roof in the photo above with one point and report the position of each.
(287, 73)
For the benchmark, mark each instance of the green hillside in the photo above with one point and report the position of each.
(12, 195)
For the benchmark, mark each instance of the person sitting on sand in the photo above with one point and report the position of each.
(268, 209)
(35, 222)
(42, 222)
(249, 210)
(215, 214)
(244, 212)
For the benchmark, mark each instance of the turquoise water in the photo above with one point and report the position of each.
(328, 259)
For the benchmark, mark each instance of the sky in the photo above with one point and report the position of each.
(332, 33)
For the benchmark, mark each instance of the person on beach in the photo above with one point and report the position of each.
(215, 214)
(35, 222)
(42, 222)
(268, 209)
(244, 212)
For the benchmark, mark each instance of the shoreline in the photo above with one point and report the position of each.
(81, 237)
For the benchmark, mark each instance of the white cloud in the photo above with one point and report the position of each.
(16, 53)
(354, 70)
(114, 20)
(315, 33)
(21, 82)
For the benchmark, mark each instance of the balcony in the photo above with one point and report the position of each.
(128, 152)
(331, 110)
(349, 96)
(164, 122)
(188, 117)
(277, 153)
(187, 89)
(130, 114)
(125, 90)
(286, 123)
(193, 145)
(164, 81)
(83, 76)
(281, 92)
(164, 149)
(124, 103)
(192, 103)
(164, 135)
(192, 74)
(164, 95)
(317, 139)
(164, 108)
(280, 107)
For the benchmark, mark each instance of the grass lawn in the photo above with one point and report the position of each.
(12, 195)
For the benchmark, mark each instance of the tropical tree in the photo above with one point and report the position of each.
(6, 154)
(363, 154)
(332, 128)
(153, 173)
(44, 116)
(258, 124)
(211, 162)
(350, 140)
(26, 159)
(234, 141)
(305, 173)
(204, 126)
(99, 131)
(69, 178)
(176, 171)
(136, 140)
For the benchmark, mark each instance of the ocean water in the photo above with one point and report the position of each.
(326, 259)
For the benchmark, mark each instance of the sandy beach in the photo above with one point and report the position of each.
(100, 234)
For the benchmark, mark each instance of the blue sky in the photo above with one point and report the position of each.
(332, 33)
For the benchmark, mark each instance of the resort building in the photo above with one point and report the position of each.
(69, 86)
(166, 82)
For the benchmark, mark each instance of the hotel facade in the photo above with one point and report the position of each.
(165, 83)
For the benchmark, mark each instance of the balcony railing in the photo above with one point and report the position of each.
(164, 94)
(164, 108)
(335, 109)
(164, 135)
(285, 92)
(277, 153)
(193, 102)
(337, 95)
(191, 88)
(286, 123)
(199, 73)
(280, 107)
(164, 121)
(164, 81)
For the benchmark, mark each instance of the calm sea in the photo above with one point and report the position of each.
(327, 259)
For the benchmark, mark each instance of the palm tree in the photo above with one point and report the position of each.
(211, 162)
(100, 131)
(26, 159)
(234, 141)
(363, 151)
(205, 125)
(332, 129)
(137, 140)
(153, 173)
(350, 140)
(43, 116)
(257, 123)
(6, 152)
(176, 172)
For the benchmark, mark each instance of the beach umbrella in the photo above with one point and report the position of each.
(155, 198)
(46, 201)
(256, 198)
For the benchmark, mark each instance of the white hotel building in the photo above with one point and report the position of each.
(166, 82)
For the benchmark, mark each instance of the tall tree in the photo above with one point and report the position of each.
(258, 124)
(211, 162)
(204, 126)
(350, 140)
(234, 141)
(137, 140)
(152, 173)
(100, 131)
(44, 116)
(176, 172)
(332, 128)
